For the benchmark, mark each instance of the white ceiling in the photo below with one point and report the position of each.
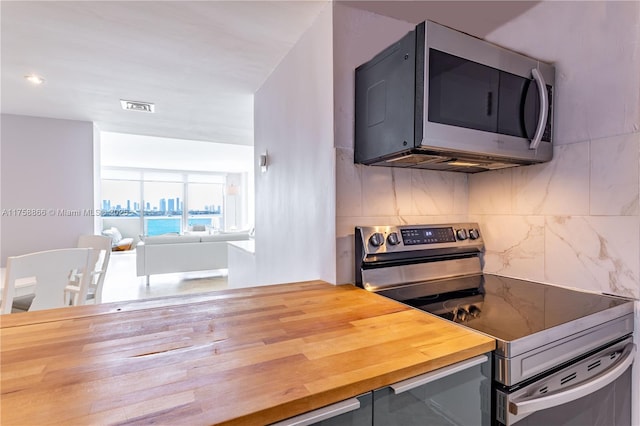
(475, 17)
(152, 152)
(200, 62)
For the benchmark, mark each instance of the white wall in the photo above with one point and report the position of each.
(295, 198)
(368, 195)
(46, 164)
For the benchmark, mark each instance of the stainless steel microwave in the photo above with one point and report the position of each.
(444, 100)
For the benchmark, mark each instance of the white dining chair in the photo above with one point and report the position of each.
(100, 261)
(50, 272)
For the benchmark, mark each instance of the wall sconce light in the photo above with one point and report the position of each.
(263, 162)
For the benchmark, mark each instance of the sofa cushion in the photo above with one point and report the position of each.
(225, 237)
(171, 239)
(114, 234)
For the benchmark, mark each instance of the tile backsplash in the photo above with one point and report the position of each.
(574, 221)
(368, 195)
(571, 222)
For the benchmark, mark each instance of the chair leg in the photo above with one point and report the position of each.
(147, 280)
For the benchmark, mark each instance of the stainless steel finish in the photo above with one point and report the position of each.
(320, 414)
(618, 314)
(393, 239)
(414, 382)
(554, 347)
(544, 108)
(569, 384)
(393, 276)
(442, 139)
(539, 328)
(370, 249)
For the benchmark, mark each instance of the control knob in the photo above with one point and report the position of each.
(461, 315)
(474, 234)
(474, 311)
(376, 239)
(461, 234)
(393, 239)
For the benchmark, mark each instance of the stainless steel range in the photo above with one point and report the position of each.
(562, 355)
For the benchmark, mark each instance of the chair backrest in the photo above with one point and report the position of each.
(50, 271)
(102, 253)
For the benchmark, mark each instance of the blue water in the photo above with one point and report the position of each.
(168, 225)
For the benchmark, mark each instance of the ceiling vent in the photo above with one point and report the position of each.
(138, 106)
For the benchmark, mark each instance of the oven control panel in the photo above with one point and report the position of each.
(384, 239)
(413, 236)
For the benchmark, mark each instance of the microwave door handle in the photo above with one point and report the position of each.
(544, 108)
(531, 405)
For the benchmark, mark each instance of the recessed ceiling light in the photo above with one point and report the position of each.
(34, 79)
(138, 106)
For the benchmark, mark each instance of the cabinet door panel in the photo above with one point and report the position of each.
(462, 398)
(360, 417)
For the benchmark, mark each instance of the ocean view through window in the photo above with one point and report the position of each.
(156, 203)
(153, 185)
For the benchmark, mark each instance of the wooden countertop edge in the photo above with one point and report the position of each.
(384, 375)
(332, 396)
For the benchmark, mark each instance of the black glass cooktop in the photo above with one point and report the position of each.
(505, 308)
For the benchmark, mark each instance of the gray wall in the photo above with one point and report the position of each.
(46, 164)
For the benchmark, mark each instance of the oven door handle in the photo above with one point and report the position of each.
(544, 108)
(533, 404)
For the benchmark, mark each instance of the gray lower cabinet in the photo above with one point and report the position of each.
(456, 395)
(352, 412)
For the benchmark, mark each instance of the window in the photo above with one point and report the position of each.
(163, 206)
(151, 202)
(120, 198)
(205, 201)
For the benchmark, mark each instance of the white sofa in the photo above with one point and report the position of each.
(164, 254)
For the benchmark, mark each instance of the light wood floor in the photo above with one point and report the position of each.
(121, 282)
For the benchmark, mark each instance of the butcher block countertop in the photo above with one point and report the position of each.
(245, 356)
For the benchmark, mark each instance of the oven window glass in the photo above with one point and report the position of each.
(462, 93)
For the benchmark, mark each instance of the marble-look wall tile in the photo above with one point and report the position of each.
(614, 175)
(560, 187)
(386, 191)
(594, 253)
(490, 192)
(460, 193)
(514, 245)
(348, 184)
(432, 192)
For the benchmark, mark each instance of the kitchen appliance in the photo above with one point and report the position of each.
(562, 355)
(444, 100)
